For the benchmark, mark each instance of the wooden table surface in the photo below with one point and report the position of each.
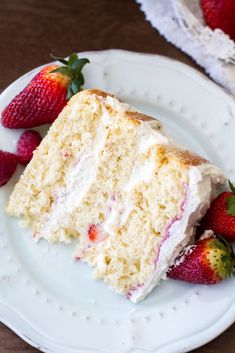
(31, 29)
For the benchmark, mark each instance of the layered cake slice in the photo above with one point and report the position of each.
(110, 177)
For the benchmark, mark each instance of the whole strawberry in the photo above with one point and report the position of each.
(220, 14)
(45, 96)
(221, 215)
(209, 261)
(26, 144)
(8, 164)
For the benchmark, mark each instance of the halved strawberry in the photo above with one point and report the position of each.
(209, 261)
(45, 96)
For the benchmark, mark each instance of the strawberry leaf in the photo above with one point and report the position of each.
(73, 57)
(231, 205)
(232, 187)
(58, 58)
(80, 79)
(69, 92)
(75, 86)
(73, 69)
(79, 63)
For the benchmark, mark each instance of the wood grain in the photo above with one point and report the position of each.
(31, 29)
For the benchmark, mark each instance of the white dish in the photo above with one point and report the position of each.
(50, 300)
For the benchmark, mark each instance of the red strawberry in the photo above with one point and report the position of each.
(221, 215)
(209, 261)
(96, 234)
(45, 96)
(220, 14)
(26, 144)
(8, 164)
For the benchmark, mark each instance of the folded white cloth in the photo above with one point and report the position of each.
(181, 23)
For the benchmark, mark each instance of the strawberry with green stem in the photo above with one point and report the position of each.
(47, 93)
(209, 261)
(220, 218)
(73, 69)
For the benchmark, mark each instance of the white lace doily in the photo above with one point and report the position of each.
(181, 23)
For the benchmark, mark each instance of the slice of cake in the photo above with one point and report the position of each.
(110, 177)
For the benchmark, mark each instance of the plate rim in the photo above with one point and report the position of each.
(228, 317)
(182, 343)
(151, 56)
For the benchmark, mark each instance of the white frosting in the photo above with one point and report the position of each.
(77, 182)
(116, 105)
(149, 133)
(83, 174)
(198, 199)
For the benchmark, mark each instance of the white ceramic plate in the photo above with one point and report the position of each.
(50, 300)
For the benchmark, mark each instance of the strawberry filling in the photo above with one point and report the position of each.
(96, 233)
